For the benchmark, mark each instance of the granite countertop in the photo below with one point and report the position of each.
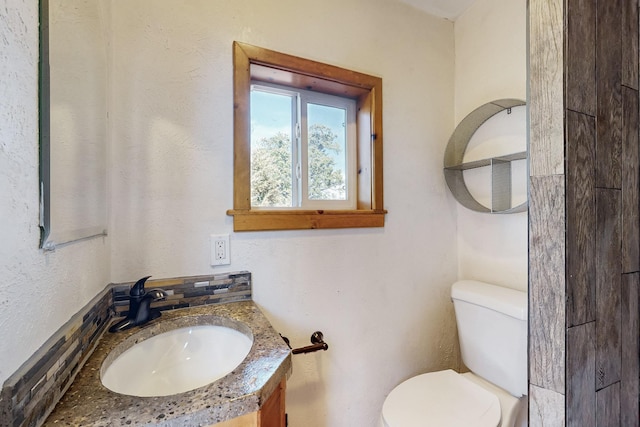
(244, 390)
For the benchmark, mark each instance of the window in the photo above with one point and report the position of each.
(307, 144)
(303, 147)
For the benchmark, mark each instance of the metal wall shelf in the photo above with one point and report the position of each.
(454, 166)
(488, 162)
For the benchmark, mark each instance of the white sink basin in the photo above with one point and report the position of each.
(177, 361)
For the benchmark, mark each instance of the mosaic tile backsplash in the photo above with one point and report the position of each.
(31, 393)
(189, 291)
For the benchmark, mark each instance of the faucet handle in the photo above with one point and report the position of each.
(157, 294)
(137, 290)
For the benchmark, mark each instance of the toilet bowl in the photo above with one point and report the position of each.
(492, 327)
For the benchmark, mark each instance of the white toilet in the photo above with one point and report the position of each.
(492, 327)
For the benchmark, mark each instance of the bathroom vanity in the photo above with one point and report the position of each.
(251, 395)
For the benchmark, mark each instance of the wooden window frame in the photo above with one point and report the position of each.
(255, 63)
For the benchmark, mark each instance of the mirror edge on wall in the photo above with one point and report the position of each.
(50, 239)
(44, 125)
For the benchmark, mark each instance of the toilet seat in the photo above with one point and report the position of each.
(440, 399)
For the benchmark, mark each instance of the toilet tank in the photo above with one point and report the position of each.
(492, 328)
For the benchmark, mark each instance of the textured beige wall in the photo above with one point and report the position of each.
(491, 63)
(381, 296)
(38, 292)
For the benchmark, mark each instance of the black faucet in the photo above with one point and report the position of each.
(140, 311)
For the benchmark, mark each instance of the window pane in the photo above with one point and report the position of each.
(271, 149)
(327, 132)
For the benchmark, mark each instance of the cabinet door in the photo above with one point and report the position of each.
(272, 412)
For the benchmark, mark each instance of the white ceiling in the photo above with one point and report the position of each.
(449, 9)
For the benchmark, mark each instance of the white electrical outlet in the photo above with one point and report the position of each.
(220, 249)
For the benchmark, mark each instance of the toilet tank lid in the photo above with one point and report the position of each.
(504, 300)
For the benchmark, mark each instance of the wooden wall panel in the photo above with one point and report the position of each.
(601, 265)
(581, 376)
(546, 408)
(608, 284)
(581, 218)
(547, 283)
(547, 312)
(608, 406)
(630, 43)
(546, 53)
(580, 64)
(609, 85)
(630, 369)
(630, 182)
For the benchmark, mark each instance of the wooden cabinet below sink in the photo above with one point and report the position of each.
(271, 413)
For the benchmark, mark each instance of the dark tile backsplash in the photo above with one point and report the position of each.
(190, 291)
(31, 393)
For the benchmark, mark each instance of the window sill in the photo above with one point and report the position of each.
(265, 220)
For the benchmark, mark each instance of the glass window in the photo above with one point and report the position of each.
(273, 155)
(302, 149)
